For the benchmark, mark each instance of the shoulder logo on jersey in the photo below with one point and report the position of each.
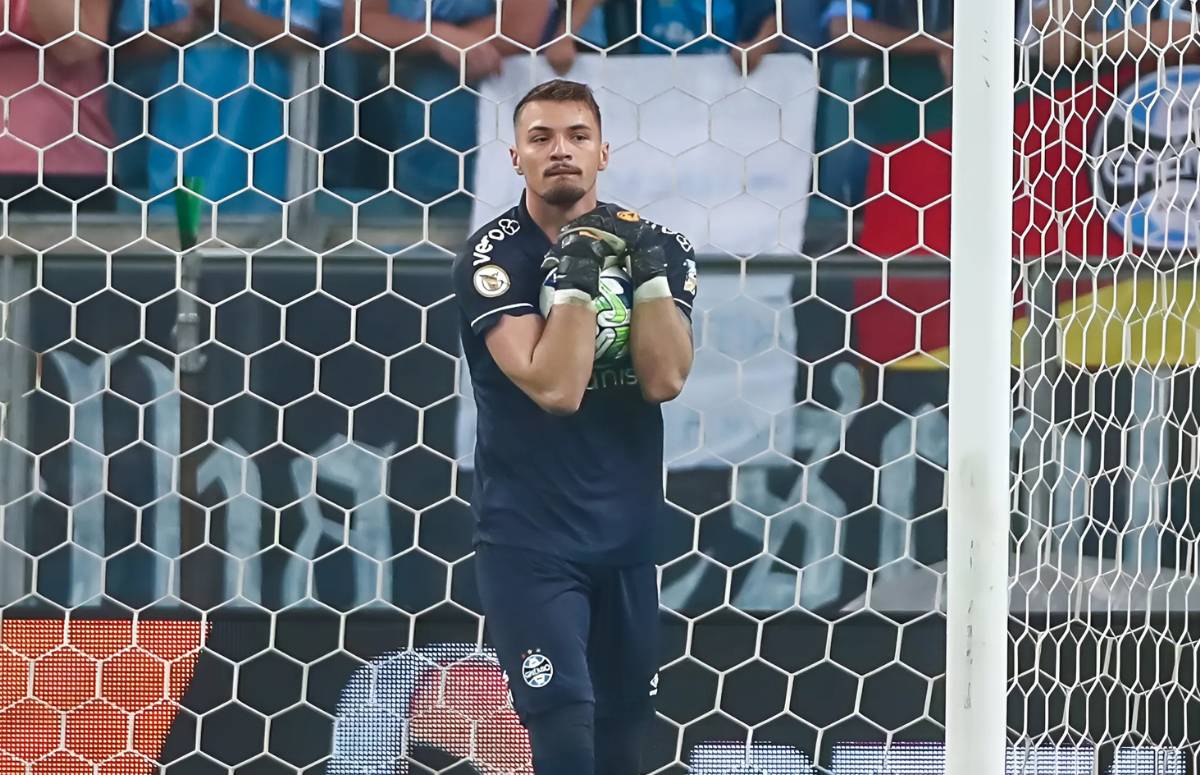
(537, 669)
(691, 281)
(505, 227)
(491, 281)
(628, 216)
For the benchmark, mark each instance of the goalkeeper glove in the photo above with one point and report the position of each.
(577, 259)
(646, 261)
(648, 268)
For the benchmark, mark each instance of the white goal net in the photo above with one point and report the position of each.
(1104, 586)
(236, 430)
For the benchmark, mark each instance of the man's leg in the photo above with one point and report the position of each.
(563, 740)
(620, 736)
(538, 618)
(623, 658)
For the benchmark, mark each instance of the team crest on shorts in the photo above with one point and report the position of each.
(537, 669)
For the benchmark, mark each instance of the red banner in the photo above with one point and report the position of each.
(908, 213)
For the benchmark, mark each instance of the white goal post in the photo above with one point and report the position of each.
(980, 398)
(933, 485)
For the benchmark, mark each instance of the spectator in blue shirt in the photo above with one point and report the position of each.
(220, 88)
(872, 26)
(916, 42)
(1098, 30)
(469, 26)
(331, 20)
(750, 26)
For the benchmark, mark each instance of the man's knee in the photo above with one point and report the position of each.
(620, 735)
(563, 740)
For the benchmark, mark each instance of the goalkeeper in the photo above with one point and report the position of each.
(568, 469)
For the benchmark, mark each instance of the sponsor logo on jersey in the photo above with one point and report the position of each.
(491, 281)
(628, 216)
(537, 669)
(505, 227)
(613, 378)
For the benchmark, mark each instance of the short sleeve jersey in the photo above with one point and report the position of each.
(906, 96)
(587, 487)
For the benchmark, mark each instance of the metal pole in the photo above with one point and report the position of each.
(189, 332)
(980, 413)
(14, 373)
(302, 125)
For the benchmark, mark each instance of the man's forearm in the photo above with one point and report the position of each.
(522, 24)
(375, 23)
(54, 19)
(262, 27)
(580, 11)
(868, 37)
(767, 29)
(180, 33)
(661, 346)
(1160, 37)
(560, 365)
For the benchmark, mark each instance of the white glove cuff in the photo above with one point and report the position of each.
(572, 296)
(654, 288)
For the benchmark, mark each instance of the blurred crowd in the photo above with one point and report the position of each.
(113, 102)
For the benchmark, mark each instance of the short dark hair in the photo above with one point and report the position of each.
(560, 90)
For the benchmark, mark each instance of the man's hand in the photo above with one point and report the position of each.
(577, 258)
(660, 336)
(561, 54)
(764, 42)
(481, 54)
(646, 258)
(946, 65)
(945, 55)
(753, 53)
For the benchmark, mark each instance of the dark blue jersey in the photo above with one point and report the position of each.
(586, 487)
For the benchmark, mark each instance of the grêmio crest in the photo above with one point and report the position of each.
(1145, 160)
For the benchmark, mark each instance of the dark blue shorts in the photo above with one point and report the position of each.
(568, 632)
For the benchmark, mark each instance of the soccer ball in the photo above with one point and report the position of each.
(614, 310)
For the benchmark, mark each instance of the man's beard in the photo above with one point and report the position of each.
(563, 194)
